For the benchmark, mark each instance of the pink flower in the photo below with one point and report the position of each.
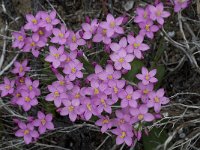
(158, 13)
(73, 69)
(101, 35)
(122, 45)
(44, 122)
(60, 35)
(19, 38)
(56, 56)
(7, 87)
(123, 135)
(141, 114)
(104, 122)
(142, 15)
(180, 4)
(64, 82)
(33, 44)
(112, 25)
(49, 20)
(70, 57)
(89, 29)
(75, 40)
(88, 108)
(103, 103)
(27, 100)
(148, 29)
(145, 91)
(33, 22)
(122, 60)
(136, 45)
(31, 86)
(157, 99)
(21, 68)
(129, 97)
(26, 131)
(147, 77)
(57, 94)
(71, 108)
(109, 74)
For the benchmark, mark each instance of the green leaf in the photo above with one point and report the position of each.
(155, 138)
(136, 66)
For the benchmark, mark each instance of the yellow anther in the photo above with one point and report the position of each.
(147, 27)
(123, 135)
(105, 121)
(112, 24)
(121, 60)
(77, 95)
(89, 107)
(73, 38)
(41, 32)
(71, 108)
(156, 99)
(61, 35)
(110, 77)
(20, 38)
(96, 91)
(56, 55)
(32, 44)
(147, 77)
(30, 88)
(104, 32)
(7, 87)
(136, 45)
(34, 21)
(26, 132)
(145, 91)
(43, 121)
(115, 89)
(48, 20)
(73, 70)
(27, 99)
(129, 97)
(56, 94)
(140, 116)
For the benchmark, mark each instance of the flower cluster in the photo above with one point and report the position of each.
(29, 131)
(81, 97)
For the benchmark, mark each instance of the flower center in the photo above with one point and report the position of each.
(61, 35)
(48, 20)
(21, 69)
(73, 70)
(32, 44)
(56, 55)
(110, 77)
(105, 121)
(115, 89)
(71, 108)
(121, 121)
(7, 87)
(123, 135)
(68, 59)
(156, 99)
(121, 60)
(145, 91)
(89, 107)
(77, 95)
(158, 13)
(103, 102)
(30, 88)
(112, 24)
(136, 45)
(43, 121)
(18, 95)
(128, 97)
(181, 1)
(20, 38)
(147, 77)
(104, 32)
(34, 21)
(27, 99)
(96, 91)
(140, 116)
(147, 27)
(21, 80)
(61, 82)
(73, 38)
(56, 94)
(41, 32)
(26, 132)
